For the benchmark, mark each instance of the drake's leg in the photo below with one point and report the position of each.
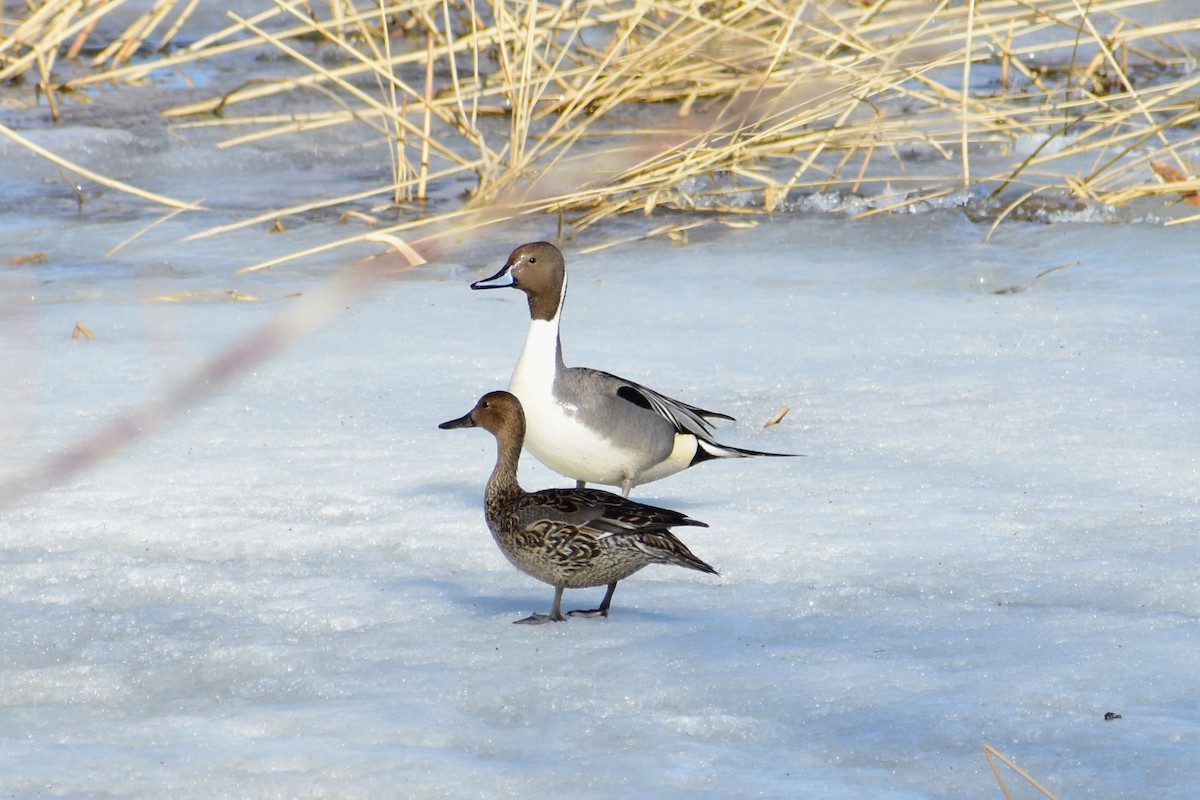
(602, 611)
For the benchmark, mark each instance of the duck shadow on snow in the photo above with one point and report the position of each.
(460, 598)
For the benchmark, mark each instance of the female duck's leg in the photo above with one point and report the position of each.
(555, 614)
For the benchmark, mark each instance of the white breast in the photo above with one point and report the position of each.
(554, 432)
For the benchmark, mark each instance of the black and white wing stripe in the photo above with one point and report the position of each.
(686, 418)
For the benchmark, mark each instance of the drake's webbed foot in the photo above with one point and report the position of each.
(595, 612)
(602, 611)
(539, 619)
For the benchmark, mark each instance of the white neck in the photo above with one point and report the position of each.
(542, 355)
(539, 359)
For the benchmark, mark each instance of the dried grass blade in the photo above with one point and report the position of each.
(82, 171)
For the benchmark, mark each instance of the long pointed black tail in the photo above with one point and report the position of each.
(706, 451)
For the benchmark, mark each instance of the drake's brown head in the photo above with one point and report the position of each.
(499, 413)
(538, 270)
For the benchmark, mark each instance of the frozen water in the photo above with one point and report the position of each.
(290, 591)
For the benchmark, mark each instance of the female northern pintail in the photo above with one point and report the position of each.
(590, 425)
(568, 538)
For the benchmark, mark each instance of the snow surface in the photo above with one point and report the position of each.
(290, 591)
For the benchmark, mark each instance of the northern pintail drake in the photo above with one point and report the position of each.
(590, 425)
(568, 538)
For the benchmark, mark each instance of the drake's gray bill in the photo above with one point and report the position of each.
(486, 283)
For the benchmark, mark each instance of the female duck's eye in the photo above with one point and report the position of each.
(532, 259)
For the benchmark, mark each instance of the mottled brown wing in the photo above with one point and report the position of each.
(568, 548)
(578, 529)
(659, 547)
(571, 543)
(602, 511)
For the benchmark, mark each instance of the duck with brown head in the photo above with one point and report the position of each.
(586, 424)
(568, 538)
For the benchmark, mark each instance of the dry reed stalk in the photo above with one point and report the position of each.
(397, 138)
(356, 93)
(993, 755)
(90, 175)
(315, 205)
(426, 120)
(53, 24)
(137, 235)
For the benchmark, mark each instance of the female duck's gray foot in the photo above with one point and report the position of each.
(555, 614)
(580, 484)
(602, 611)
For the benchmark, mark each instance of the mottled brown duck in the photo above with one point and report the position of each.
(569, 538)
